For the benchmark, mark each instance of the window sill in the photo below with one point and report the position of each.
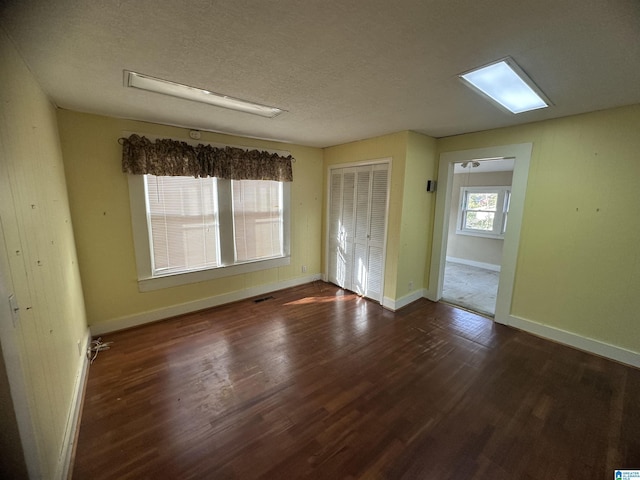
(168, 281)
(481, 234)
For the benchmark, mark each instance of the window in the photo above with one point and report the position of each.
(192, 229)
(483, 211)
(183, 221)
(257, 219)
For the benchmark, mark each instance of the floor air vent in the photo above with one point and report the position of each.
(258, 300)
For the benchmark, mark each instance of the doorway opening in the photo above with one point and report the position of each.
(521, 156)
(478, 216)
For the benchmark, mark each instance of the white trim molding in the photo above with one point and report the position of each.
(394, 305)
(473, 263)
(75, 410)
(574, 340)
(129, 321)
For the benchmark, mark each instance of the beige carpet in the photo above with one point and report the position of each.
(470, 287)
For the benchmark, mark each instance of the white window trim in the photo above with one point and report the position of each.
(501, 213)
(141, 240)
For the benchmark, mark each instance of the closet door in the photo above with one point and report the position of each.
(357, 228)
(361, 238)
(348, 226)
(342, 226)
(377, 229)
(336, 261)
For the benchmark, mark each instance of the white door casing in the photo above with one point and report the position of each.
(522, 155)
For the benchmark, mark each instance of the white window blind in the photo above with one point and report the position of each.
(197, 224)
(183, 218)
(257, 219)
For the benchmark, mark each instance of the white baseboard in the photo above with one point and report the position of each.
(394, 305)
(473, 263)
(135, 320)
(590, 345)
(75, 409)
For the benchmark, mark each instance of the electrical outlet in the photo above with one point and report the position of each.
(79, 348)
(411, 285)
(304, 269)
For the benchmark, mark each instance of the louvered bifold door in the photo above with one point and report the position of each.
(361, 237)
(347, 227)
(377, 229)
(357, 228)
(336, 261)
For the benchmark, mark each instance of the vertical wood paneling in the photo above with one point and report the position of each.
(42, 261)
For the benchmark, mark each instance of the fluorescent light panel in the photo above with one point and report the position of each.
(504, 82)
(152, 84)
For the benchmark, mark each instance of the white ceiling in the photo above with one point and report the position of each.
(343, 69)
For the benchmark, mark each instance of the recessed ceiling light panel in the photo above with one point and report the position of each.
(152, 84)
(506, 83)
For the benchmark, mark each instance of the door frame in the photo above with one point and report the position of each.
(362, 163)
(521, 153)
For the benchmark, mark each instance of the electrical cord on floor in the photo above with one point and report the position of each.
(97, 346)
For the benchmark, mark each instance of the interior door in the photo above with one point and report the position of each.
(341, 227)
(336, 260)
(361, 238)
(357, 228)
(377, 230)
(347, 227)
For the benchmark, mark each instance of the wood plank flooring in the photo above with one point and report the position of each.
(319, 383)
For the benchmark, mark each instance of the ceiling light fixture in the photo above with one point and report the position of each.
(152, 84)
(473, 163)
(506, 83)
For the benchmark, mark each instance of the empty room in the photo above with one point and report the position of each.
(228, 231)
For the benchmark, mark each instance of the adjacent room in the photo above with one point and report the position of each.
(479, 211)
(245, 239)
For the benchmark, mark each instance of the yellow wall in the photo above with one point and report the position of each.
(416, 228)
(98, 192)
(568, 276)
(578, 264)
(43, 270)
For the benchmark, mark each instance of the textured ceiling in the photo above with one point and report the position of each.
(343, 70)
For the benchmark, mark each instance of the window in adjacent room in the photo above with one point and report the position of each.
(483, 211)
(192, 229)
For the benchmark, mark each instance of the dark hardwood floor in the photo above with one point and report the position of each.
(317, 382)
